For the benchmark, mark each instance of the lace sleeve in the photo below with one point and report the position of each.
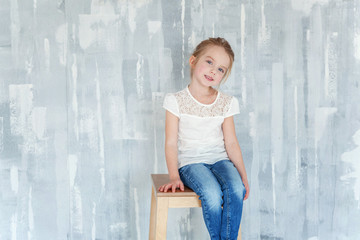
(171, 105)
(234, 108)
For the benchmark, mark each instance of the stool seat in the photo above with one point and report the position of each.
(161, 179)
(161, 202)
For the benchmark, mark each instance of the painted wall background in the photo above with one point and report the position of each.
(82, 124)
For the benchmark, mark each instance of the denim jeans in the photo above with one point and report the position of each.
(217, 184)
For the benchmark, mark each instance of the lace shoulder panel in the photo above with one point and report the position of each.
(187, 105)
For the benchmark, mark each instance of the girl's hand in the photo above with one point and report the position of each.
(247, 188)
(173, 185)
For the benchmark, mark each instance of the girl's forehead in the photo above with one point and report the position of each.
(218, 54)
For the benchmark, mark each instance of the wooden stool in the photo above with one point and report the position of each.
(161, 202)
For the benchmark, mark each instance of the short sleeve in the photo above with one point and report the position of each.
(171, 105)
(234, 108)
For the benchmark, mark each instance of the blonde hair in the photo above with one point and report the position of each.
(220, 42)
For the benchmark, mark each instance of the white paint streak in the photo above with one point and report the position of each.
(73, 32)
(306, 5)
(313, 238)
(93, 227)
(297, 159)
(76, 207)
(100, 130)
(99, 115)
(330, 85)
(263, 19)
(118, 120)
(72, 168)
(14, 176)
(13, 226)
(166, 68)
(118, 227)
(213, 29)
(29, 65)
(47, 54)
(34, 7)
(101, 7)
(87, 124)
(326, 61)
(74, 103)
(252, 121)
(242, 36)
(132, 16)
(76, 222)
(183, 37)
(153, 27)
(264, 35)
(308, 35)
(140, 76)
(16, 28)
(61, 40)
(321, 116)
(102, 176)
(39, 122)
(157, 99)
(254, 223)
(242, 56)
(137, 214)
(98, 29)
(125, 130)
(277, 92)
(357, 45)
(353, 157)
(1, 134)
(21, 105)
(31, 215)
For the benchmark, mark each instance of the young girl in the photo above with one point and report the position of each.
(201, 147)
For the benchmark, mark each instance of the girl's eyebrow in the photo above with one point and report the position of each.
(215, 61)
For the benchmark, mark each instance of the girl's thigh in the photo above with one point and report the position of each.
(200, 179)
(228, 176)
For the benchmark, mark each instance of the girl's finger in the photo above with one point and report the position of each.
(182, 186)
(247, 194)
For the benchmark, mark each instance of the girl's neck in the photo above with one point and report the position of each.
(201, 91)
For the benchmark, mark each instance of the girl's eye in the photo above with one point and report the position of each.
(209, 62)
(221, 70)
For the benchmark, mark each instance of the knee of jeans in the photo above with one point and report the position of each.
(213, 199)
(238, 193)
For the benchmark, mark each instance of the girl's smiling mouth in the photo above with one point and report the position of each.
(209, 78)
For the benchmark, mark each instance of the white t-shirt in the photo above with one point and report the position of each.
(200, 135)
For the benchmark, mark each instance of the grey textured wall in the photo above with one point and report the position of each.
(82, 127)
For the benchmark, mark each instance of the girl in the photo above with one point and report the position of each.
(201, 147)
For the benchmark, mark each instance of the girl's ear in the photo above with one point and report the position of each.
(192, 60)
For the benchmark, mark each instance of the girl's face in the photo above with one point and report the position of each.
(211, 67)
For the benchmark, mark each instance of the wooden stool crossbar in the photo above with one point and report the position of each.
(161, 202)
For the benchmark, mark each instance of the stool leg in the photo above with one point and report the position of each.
(239, 234)
(162, 206)
(152, 215)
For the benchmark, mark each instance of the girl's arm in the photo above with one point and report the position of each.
(171, 153)
(234, 152)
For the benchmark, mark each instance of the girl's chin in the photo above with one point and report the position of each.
(211, 81)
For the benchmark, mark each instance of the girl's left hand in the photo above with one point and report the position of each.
(247, 188)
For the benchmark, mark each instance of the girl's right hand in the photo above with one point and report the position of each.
(173, 185)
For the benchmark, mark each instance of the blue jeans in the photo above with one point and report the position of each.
(217, 184)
